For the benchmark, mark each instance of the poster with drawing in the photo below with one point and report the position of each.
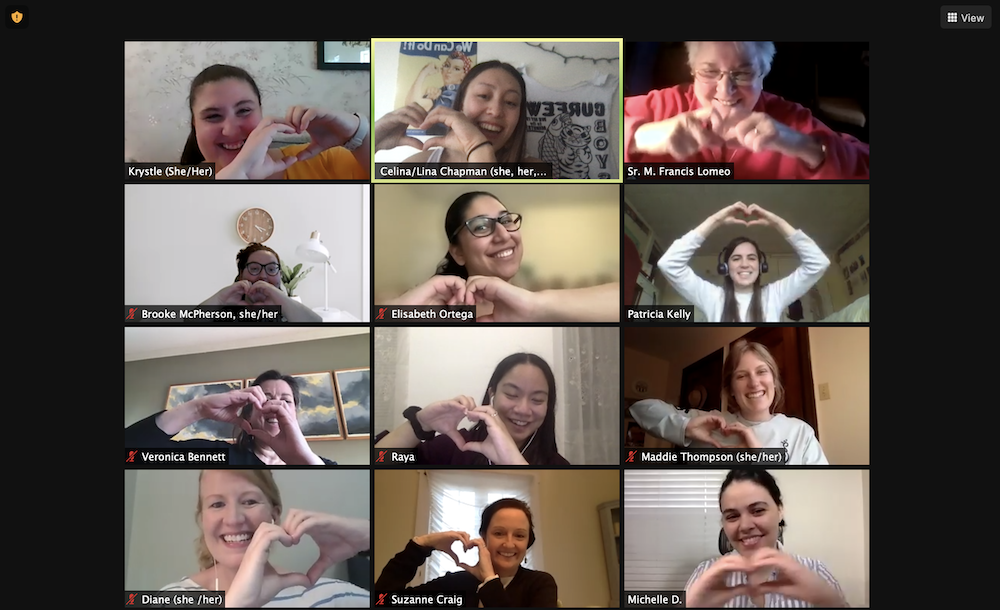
(574, 129)
(430, 74)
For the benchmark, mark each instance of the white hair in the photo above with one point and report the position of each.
(761, 54)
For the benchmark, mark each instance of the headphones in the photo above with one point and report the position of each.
(724, 265)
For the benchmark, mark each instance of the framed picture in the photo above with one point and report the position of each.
(344, 55)
(318, 416)
(205, 429)
(354, 392)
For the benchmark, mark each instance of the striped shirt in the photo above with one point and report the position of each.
(327, 593)
(771, 600)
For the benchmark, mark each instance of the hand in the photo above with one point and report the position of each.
(680, 136)
(762, 217)
(711, 589)
(510, 303)
(483, 570)
(288, 443)
(390, 130)
(444, 541)
(734, 214)
(795, 580)
(326, 128)
(437, 291)
(462, 135)
(338, 538)
(256, 582)
(432, 93)
(253, 161)
(744, 435)
(444, 416)
(263, 292)
(499, 447)
(231, 295)
(225, 408)
(700, 428)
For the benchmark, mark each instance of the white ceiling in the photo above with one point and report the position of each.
(828, 213)
(143, 343)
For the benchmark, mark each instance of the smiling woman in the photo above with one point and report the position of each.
(263, 416)
(758, 573)
(515, 421)
(506, 533)
(258, 282)
(755, 396)
(228, 129)
(239, 514)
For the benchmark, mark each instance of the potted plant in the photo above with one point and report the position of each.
(290, 278)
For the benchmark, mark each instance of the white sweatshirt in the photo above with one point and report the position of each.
(710, 298)
(794, 435)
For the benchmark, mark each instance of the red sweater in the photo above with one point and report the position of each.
(846, 156)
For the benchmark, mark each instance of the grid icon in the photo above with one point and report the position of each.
(952, 17)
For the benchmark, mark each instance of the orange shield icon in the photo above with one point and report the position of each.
(16, 16)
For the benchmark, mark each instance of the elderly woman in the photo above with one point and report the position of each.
(263, 416)
(725, 116)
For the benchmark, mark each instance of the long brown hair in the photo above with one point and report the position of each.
(730, 308)
(513, 151)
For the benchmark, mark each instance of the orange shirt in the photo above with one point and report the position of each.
(332, 164)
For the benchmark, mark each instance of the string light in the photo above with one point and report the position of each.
(566, 58)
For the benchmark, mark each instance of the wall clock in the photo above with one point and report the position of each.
(255, 225)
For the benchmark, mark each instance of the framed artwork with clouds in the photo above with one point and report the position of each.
(354, 396)
(206, 429)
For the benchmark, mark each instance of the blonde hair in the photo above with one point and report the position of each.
(736, 353)
(761, 54)
(263, 479)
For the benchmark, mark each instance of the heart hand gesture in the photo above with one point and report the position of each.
(257, 582)
(444, 541)
(701, 427)
(712, 589)
(795, 580)
(483, 570)
(745, 437)
(498, 446)
(444, 417)
(338, 538)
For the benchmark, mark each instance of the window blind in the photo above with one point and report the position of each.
(456, 500)
(672, 523)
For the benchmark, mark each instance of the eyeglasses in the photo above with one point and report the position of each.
(271, 268)
(484, 226)
(739, 77)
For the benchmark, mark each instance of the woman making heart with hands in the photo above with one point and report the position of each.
(741, 298)
(258, 283)
(228, 129)
(514, 425)
(239, 513)
(263, 417)
(758, 570)
(498, 580)
(484, 254)
(755, 396)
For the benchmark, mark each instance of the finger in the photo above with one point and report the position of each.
(476, 446)
(294, 579)
(743, 130)
(317, 570)
(457, 438)
(489, 318)
(410, 141)
(453, 556)
(438, 141)
(307, 119)
(705, 138)
(704, 113)
(257, 393)
(293, 114)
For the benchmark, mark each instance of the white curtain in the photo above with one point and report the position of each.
(672, 524)
(454, 501)
(587, 368)
(392, 348)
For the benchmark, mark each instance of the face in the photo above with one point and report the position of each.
(453, 71)
(726, 96)
(263, 258)
(497, 255)
(521, 400)
(507, 539)
(493, 103)
(274, 389)
(750, 517)
(232, 508)
(225, 112)
(753, 385)
(744, 266)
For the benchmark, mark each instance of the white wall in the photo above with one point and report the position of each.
(449, 362)
(546, 68)
(158, 79)
(181, 240)
(160, 505)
